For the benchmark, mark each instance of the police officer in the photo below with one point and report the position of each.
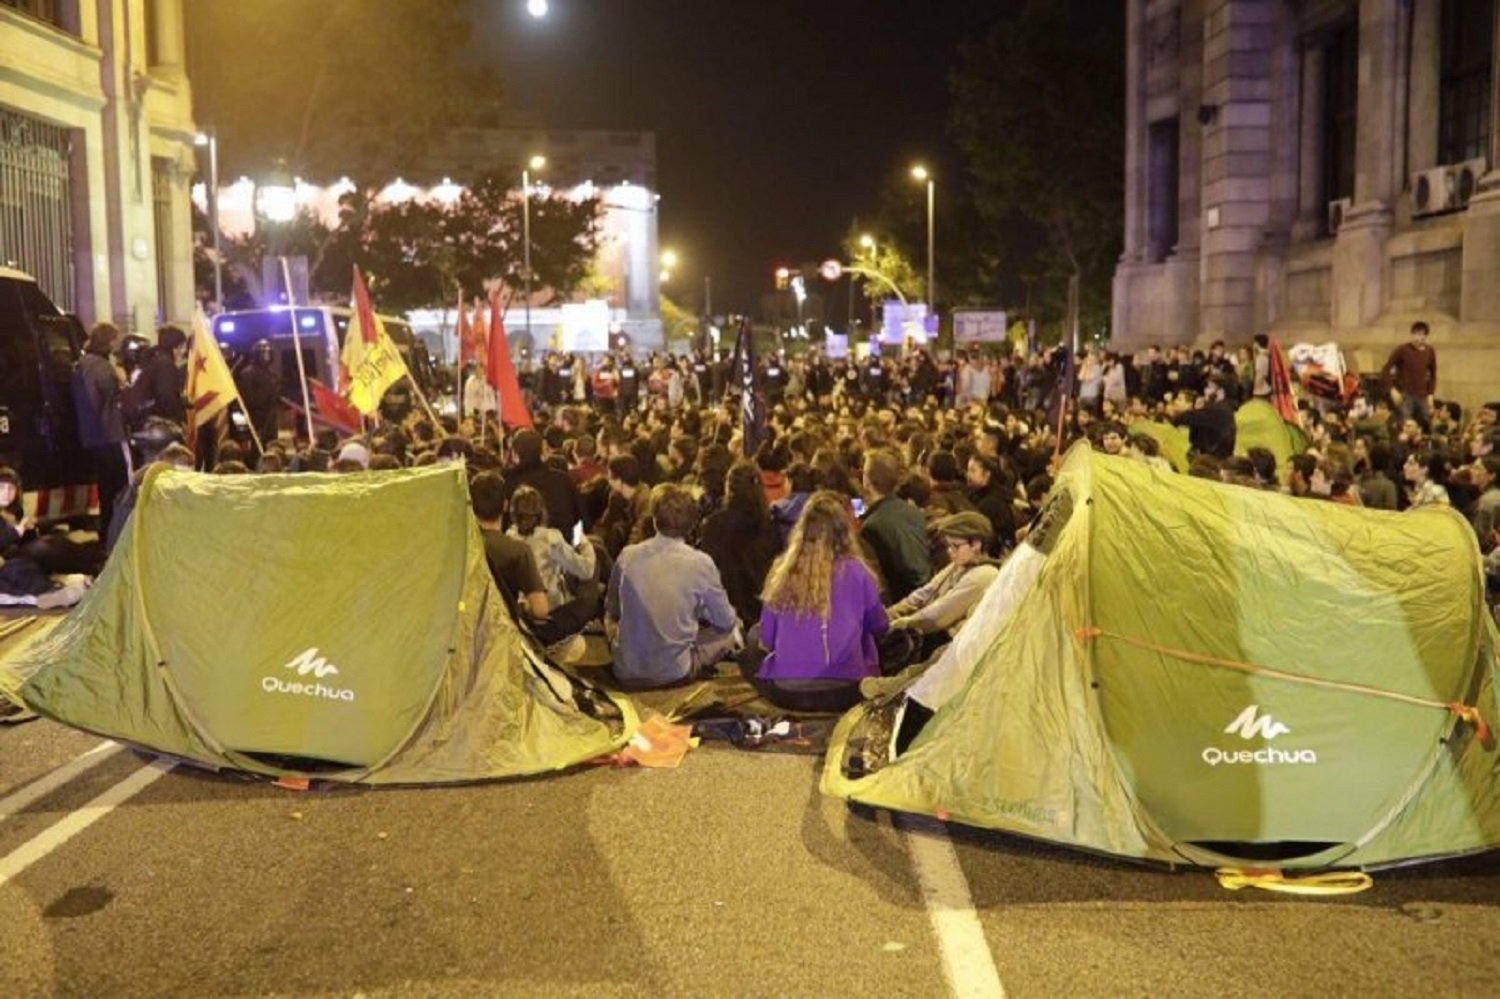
(260, 391)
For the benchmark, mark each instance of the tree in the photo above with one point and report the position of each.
(1039, 114)
(886, 259)
(487, 235)
(331, 85)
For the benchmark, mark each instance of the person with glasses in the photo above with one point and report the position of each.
(933, 613)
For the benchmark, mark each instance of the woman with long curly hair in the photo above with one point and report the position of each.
(822, 615)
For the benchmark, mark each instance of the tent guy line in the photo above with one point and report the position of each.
(14, 804)
(75, 822)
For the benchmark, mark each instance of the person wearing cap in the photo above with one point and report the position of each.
(936, 610)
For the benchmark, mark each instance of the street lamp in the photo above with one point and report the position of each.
(537, 8)
(276, 195)
(535, 163)
(211, 140)
(920, 174)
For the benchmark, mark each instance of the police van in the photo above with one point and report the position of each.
(320, 330)
(39, 345)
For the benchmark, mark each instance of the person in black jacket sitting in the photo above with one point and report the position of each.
(564, 508)
(743, 540)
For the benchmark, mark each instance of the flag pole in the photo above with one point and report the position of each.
(431, 414)
(251, 424)
(291, 311)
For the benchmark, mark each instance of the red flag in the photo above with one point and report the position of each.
(465, 338)
(501, 373)
(1281, 386)
(333, 409)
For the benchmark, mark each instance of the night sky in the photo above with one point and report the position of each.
(777, 122)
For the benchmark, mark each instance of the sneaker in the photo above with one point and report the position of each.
(568, 651)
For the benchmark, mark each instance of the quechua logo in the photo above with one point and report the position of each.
(310, 664)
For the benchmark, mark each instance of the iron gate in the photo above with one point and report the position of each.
(36, 215)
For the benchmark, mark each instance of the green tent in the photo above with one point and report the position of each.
(1172, 440)
(1189, 672)
(1257, 424)
(340, 625)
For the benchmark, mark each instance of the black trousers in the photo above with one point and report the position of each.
(811, 696)
(571, 618)
(113, 475)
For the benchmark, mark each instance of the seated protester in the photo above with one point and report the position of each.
(1426, 475)
(586, 464)
(786, 512)
(666, 613)
(822, 618)
(516, 575)
(1210, 424)
(557, 490)
(568, 571)
(26, 575)
(991, 494)
(947, 496)
(935, 611)
(174, 454)
(626, 518)
(772, 459)
(742, 539)
(895, 530)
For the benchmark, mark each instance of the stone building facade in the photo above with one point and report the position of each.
(1319, 170)
(96, 156)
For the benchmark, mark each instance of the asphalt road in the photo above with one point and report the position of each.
(728, 876)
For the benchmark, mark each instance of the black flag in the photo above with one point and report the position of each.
(752, 403)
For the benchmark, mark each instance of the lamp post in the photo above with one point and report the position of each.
(867, 244)
(535, 163)
(921, 175)
(211, 140)
(276, 202)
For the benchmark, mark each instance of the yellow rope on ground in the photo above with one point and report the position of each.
(1330, 883)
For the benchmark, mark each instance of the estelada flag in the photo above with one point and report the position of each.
(210, 386)
(370, 360)
(500, 372)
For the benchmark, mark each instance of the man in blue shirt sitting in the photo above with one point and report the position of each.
(666, 613)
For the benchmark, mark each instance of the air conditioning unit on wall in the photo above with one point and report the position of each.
(1445, 188)
(1337, 209)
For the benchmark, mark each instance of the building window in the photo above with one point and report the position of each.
(1340, 111)
(161, 205)
(1468, 48)
(43, 10)
(1162, 190)
(153, 43)
(36, 213)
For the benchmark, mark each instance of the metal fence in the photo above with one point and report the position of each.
(36, 213)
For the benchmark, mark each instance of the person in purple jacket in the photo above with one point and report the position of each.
(822, 615)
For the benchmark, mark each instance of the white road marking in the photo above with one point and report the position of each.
(76, 822)
(43, 786)
(968, 964)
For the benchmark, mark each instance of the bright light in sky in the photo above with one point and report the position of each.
(536, 8)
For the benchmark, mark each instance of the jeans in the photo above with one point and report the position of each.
(1414, 407)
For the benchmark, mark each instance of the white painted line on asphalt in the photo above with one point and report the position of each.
(968, 964)
(43, 786)
(76, 822)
